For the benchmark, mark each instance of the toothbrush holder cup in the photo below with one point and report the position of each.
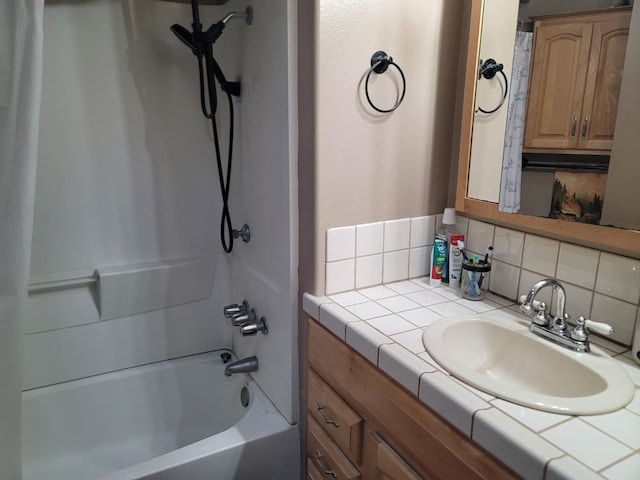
(475, 280)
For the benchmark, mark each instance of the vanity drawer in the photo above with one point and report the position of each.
(335, 416)
(325, 454)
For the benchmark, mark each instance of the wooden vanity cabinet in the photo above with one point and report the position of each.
(363, 425)
(574, 85)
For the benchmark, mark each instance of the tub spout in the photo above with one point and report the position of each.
(246, 365)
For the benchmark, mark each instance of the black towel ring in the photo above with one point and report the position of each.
(488, 70)
(380, 61)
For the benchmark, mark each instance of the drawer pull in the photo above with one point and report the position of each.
(323, 467)
(573, 128)
(324, 417)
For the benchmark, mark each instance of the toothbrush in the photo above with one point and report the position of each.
(488, 255)
(487, 259)
(461, 247)
(472, 278)
(472, 284)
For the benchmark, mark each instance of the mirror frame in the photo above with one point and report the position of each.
(610, 239)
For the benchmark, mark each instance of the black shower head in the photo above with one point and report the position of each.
(185, 36)
(194, 40)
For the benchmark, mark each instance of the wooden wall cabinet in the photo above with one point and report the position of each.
(363, 425)
(574, 84)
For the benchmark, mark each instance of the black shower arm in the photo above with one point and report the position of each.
(213, 69)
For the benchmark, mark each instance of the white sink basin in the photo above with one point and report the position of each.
(500, 356)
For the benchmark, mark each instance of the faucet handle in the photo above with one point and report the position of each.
(600, 327)
(531, 306)
(580, 332)
(523, 299)
(235, 309)
(254, 327)
(541, 318)
(243, 318)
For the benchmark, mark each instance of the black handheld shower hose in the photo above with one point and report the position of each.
(201, 44)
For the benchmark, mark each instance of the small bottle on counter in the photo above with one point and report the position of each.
(453, 262)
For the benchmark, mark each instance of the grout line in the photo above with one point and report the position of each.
(473, 417)
(546, 429)
(618, 461)
(536, 432)
(611, 437)
(608, 434)
(473, 423)
(546, 464)
(633, 413)
(595, 282)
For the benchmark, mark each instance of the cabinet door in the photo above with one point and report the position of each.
(556, 88)
(606, 62)
(388, 464)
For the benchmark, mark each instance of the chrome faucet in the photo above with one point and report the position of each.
(557, 323)
(246, 365)
(555, 328)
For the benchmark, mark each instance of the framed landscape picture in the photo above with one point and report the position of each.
(578, 196)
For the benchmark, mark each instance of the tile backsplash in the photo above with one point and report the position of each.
(601, 286)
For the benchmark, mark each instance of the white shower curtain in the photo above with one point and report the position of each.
(20, 89)
(514, 132)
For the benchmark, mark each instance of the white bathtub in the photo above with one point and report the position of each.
(180, 420)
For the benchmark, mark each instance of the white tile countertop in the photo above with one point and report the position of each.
(385, 324)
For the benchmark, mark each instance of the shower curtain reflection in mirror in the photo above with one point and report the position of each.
(514, 131)
(21, 39)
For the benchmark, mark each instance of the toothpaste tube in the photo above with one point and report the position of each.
(438, 261)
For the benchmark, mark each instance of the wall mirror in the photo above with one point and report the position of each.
(580, 142)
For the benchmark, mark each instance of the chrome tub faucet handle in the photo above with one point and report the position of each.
(244, 318)
(234, 309)
(253, 328)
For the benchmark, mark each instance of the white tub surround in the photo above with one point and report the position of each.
(175, 419)
(385, 324)
(127, 177)
(126, 290)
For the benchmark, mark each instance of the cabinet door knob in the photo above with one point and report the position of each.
(574, 124)
(584, 128)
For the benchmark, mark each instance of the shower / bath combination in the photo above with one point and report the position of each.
(201, 42)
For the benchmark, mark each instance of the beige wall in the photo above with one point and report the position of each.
(356, 165)
(623, 195)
